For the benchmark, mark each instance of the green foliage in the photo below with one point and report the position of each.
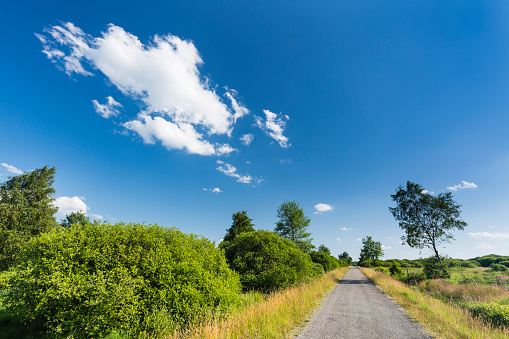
(87, 280)
(293, 224)
(495, 314)
(426, 219)
(267, 262)
(26, 210)
(347, 258)
(323, 248)
(435, 269)
(371, 250)
(498, 268)
(413, 278)
(318, 268)
(505, 263)
(395, 269)
(75, 218)
(327, 261)
(381, 269)
(241, 224)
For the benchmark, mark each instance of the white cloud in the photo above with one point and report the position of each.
(358, 239)
(247, 139)
(213, 190)
(492, 226)
(484, 245)
(231, 171)
(463, 185)
(274, 126)
(179, 104)
(67, 205)
(108, 109)
(345, 229)
(96, 216)
(338, 239)
(12, 169)
(320, 208)
(386, 247)
(478, 235)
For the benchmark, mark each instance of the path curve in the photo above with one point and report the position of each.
(356, 308)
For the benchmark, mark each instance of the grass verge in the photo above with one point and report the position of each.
(442, 319)
(275, 317)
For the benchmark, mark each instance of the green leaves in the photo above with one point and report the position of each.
(292, 225)
(371, 250)
(426, 219)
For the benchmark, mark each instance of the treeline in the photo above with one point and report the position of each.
(86, 279)
(484, 261)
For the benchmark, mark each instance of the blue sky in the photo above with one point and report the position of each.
(182, 113)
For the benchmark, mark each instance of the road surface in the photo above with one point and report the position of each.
(356, 308)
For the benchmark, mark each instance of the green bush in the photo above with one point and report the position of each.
(413, 278)
(505, 263)
(496, 314)
(318, 268)
(434, 269)
(327, 261)
(86, 280)
(498, 268)
(395, 269)
(267, 262)
(381, 269)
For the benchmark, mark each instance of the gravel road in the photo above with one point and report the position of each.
(356, 308)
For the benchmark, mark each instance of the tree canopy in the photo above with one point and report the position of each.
(371, 250)
(26, 210)
(426, 219)
(293, 224)
(75, 218)
(344, 256)
(241, 224)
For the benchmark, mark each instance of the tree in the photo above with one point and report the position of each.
(75, 218)
(347, 258)
(26, 210)
(292, 225)
(371, 250)
(426, 219)
(241, 224)
(323, 248)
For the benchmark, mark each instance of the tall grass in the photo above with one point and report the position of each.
(275, 317)
(444, 290)
(442, 319)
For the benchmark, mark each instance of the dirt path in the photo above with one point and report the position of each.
(356, 308)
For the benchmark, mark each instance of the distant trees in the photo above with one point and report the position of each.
(26, 210)
(371, 250)
(347, 258)
(75, 218)
(241, 224)
(293, 224)
(426, 219)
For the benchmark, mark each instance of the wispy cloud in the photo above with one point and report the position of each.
(492, 226)
(386, 247)
(345, 229)
(213, 190)
(247, 139)
(484, 245)
(109, 109)
(274, 126)
(463, 185)
(12, 169)
(478, 235)
(96, 216)
(231, 171)
(321, 208)
(163, 75)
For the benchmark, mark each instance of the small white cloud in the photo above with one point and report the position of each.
(239, 110)
(274, 127)
(386, 247)
(213, 190)
(231, 171)
(12, 169)
(108, 109)
(224, 149)
(283, 161)
(424, 192)
(247, 139)
(96, 216)
(321, 208)
(463, 185)
(67, 205)
(492, 226)
(479, 235)
(358, 239)
(345, 229)
(484, 245)
(338, 239)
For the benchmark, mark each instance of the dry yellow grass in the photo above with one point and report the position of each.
(442, 319)
(275, 317)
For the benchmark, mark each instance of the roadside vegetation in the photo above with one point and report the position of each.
(79, 278)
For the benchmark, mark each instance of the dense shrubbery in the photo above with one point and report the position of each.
(327, 261)
(496, 314)
(267, 262)
(434, 269)
(498, 268)
(89, 279)
(487, 260)
(395, 269)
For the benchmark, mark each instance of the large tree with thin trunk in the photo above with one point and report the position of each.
(426, 219)
(293, 224)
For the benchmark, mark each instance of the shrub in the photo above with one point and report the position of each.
(496, 314)
(413, 278)
(434, 269)
(395, 269)
(505, 263)
(498, 268)
(87, 280)
(326, 260)
(267, 262)
(381, 269)
(318, 268)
